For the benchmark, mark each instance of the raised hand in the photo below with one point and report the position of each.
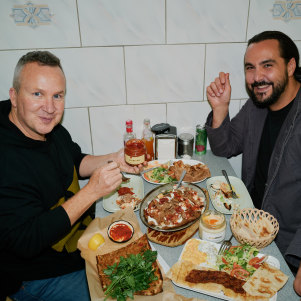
(218, 95)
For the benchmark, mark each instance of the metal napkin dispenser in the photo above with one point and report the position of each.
(165, 141)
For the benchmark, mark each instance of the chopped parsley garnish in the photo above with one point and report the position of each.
(133, 273)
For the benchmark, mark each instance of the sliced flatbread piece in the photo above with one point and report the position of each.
(138, 246)
(266, 281)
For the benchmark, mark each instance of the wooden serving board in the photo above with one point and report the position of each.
(176, 238)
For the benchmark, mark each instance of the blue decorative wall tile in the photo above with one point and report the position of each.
(287, 10)
(32, 15)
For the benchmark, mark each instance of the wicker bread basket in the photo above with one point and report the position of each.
(253, 226)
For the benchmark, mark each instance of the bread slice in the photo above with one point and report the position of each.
(138, 246)
(265, 282)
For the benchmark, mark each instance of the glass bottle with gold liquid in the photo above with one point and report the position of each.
(148, 139)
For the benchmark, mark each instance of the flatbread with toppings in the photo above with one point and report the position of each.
(138, 246)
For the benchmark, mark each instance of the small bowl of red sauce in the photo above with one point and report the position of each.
(120, 231)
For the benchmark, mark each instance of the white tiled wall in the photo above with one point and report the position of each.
(139, 58)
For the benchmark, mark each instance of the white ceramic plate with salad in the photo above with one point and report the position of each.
(160, 175)
(135, 185)
(204, 254)
(222, 202)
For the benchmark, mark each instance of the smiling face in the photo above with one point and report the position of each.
(38, 106)
(266, 73)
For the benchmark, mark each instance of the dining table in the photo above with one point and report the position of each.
(171, 254)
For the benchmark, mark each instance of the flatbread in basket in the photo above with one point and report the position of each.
(255, 227)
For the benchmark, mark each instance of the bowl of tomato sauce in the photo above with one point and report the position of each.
(120, 231)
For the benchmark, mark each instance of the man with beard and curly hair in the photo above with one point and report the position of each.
(267, 132)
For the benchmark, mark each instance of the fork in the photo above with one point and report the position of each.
(233, 194)
(181, 178)
(124, 178)
(226, 245)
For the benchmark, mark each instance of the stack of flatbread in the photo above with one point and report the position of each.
(261, 286)
(260, 229)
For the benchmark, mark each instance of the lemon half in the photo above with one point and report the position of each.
(95, 241)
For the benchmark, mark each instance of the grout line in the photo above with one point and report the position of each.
(248, 18)
(79, 31)
(124, 66)
(204, 79)
(165, 22)
(90, 127)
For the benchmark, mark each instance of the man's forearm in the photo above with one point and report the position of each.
(90, 163)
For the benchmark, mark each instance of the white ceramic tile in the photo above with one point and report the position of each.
(95, 76)
(195, 21)
(8, 62)
(61, 31)
(76, 121)
(172, 73)
(268, 15)
(234, 107)
(242, 103)
(122, 22)
(227, 58)
(299, 48)
(108, 124)
(185, 116)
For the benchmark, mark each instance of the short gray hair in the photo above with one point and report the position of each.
(44, 58)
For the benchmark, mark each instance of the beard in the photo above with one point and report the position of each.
(259, 100)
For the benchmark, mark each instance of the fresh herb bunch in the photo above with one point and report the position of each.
(133, 273)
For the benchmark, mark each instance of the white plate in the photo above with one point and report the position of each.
(270, 260)
(109, 201)
(244, 200)
(160, 162)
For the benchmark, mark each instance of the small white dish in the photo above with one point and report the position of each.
(109, 201)
(244, 200)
